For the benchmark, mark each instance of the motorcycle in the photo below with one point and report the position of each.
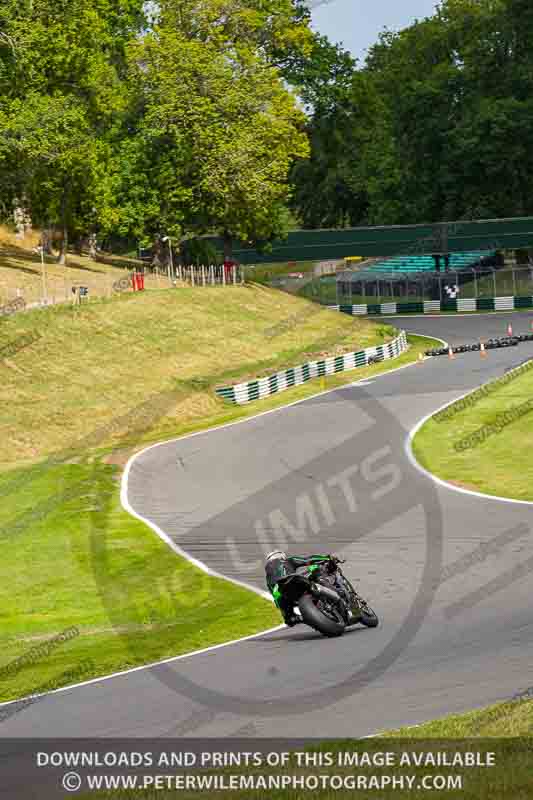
(325, 598)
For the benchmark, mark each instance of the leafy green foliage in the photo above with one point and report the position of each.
(180, 123)
(62, 97)
(217, 115)
(433, 126)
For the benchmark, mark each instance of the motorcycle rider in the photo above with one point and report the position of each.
(278, 565)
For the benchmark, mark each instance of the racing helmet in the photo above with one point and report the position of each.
(276, 554)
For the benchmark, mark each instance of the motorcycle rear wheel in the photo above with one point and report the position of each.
(316, 619)
(368, 617)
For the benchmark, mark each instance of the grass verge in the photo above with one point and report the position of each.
(71, 557)
(482, 755)
(500, 462)
(93, 364)
(509, 719)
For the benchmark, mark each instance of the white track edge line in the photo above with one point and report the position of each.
(162, 535)
(439, 481)
(141, 667)
(171, 543)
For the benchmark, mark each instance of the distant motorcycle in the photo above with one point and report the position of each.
(326, 599)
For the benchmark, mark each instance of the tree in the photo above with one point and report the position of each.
(50, 139)
(434, 125)
(218, 128)
(62, 95)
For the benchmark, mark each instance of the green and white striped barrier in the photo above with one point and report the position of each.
(264, 387)
(436, 306)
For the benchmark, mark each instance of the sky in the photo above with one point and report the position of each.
(357, 23)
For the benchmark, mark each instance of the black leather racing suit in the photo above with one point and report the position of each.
(279, 568)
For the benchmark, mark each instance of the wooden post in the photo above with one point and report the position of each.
(212, 274)
(203, 275)
(234, 274)
(224, 274)
(172, 274)
(43, 276)
(192, 275)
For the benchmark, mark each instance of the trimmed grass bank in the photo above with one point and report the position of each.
(431, 759)
(487, 445)
(89, 366)
(510, 719)
(76, 402)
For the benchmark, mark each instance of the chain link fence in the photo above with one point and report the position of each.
(50, 290)
(53, 291)
(351, 288)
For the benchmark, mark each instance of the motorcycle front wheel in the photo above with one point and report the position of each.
(321, 616)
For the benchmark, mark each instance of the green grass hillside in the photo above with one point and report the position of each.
(484, 443)
(92, 364)
(81, 389)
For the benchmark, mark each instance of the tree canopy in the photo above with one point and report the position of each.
(434, 125)
(184, 117)
(137, 119)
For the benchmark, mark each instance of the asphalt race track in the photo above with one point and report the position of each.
(448, 572)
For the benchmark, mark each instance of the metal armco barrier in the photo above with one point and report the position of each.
(436, 306)
(264, 387)
(490, 344)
